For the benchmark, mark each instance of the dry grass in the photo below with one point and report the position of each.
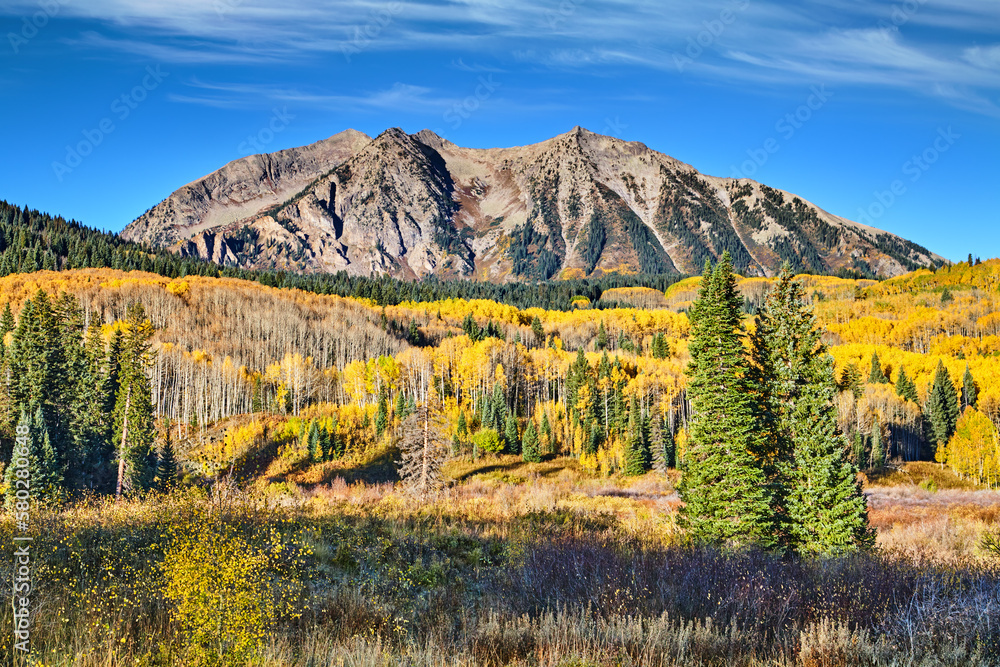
(915, 473)
(534, 564)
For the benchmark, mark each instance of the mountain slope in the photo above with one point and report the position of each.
(576, 205)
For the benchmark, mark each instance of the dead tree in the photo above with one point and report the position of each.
(424, 445)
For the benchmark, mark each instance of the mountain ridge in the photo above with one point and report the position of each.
(577, 204)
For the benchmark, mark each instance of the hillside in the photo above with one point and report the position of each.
(579, 204)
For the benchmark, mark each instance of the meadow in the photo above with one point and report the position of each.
(284, 535)
(513, 563)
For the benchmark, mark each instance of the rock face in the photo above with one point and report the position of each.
(576, 205)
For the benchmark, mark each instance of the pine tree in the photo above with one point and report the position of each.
(942, 406)
(46, 470)
(602, 337)
(166, 464)
(547, 434)
(382, 413)
(462, 428)
(970, 390)
(850, 380)
(312, 441)
(814, 488)
(510, 436)
(878, 449)
(905, 387)
(536, 328)
(876, 375)
(637, 454)
(722, 486)
(660, 455)
(135, 431)
(335, 444)
(529, 446)
(400, 406)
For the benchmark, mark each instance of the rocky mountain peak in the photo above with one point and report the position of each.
(577, 204)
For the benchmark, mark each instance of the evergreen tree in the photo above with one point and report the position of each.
(970, 390)
(814, 488)
(723, 487)
(134, 428)
(335, 444)
(536, 328)
(547, 434)
(602, 337)
(46, 470)
(942, 406)
(400, 406)
(462, 428)
(660, 446)
(166, 463)
(858, 449)
(313, 444)
(660, 346)
(594, 440)
(637, 454)
(905, 387)
(529, 446)
(510, 436)
(382, 413)
(850, 380)
(878, 448)
(876, 375)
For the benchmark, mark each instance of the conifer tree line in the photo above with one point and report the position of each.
(34, 241)
(765, 463)
(922, 429)
(86, 400)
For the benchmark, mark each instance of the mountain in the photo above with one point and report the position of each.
(576, 205)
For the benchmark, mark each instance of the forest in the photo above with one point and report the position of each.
(660, 470)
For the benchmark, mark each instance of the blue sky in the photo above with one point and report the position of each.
(883, 111)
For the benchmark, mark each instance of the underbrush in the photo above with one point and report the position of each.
(559, 570)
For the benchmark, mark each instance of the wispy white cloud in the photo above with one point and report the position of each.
(931, 47)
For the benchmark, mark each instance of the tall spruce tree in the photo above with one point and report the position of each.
(166, 462)
(815, 489)
(312, 442)
(906, 388)
(726, 500)
(529, 444)
(382, 413)
(942, 407)
(970, 390)
(876, 375)
(134, 428)
(510, 436)
(637, 452)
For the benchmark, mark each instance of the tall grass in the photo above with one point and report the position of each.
(492, 573)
